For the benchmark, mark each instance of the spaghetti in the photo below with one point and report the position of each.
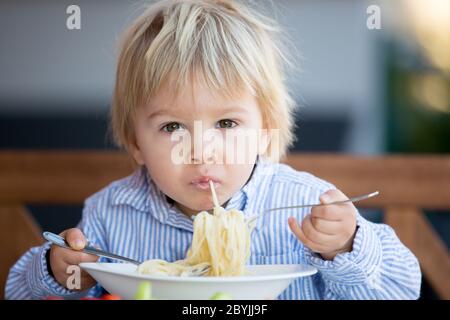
(221, 241)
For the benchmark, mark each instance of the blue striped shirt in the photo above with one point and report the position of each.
(132, 217)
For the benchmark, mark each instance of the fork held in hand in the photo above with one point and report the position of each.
(353, 199)
(61, 242)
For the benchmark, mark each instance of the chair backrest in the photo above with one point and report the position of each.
(407, 185)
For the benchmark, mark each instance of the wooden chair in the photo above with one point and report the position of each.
(408, 184)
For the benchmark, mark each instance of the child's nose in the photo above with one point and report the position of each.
(205, 150)
(206, 155)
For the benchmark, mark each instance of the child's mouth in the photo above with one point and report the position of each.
(203, 183)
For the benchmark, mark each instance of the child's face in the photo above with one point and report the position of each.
(168, 117)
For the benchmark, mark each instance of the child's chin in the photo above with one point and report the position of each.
(202, 206)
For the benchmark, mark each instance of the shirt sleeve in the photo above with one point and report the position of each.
(29, 277)
(378, 267)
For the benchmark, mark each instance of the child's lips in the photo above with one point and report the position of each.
(203, 183)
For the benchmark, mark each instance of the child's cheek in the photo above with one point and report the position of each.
(176, 148)
(242, 149)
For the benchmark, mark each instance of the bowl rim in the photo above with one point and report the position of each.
(307, 270)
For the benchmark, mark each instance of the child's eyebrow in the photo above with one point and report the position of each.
(226, 110)
(158, 113)
(238, 108)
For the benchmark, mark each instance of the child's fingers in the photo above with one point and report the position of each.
(325, 226)
(74, 258)
(332, 195)
(332, 212)
(295, 228)
(75, 238)
(314, 235)
(298, 232)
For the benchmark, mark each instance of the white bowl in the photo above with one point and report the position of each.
(262, 282)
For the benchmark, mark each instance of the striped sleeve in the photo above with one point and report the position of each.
(378, 267)
(29, 277)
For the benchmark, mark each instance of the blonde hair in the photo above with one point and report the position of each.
(227, 44)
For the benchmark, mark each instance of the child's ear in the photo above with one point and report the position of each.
(137, 154)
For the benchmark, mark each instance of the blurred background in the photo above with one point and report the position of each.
(373, 78)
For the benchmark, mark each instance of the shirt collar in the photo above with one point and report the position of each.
(140, 192)
(133, 191)
(257, 188)
(240, 200)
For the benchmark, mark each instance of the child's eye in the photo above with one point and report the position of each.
(171, 127)
(226, 124)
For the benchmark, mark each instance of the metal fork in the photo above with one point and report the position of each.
(353, 199)
(60, 241)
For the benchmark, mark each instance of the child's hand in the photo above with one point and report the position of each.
(328, 230)
(61, 259)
